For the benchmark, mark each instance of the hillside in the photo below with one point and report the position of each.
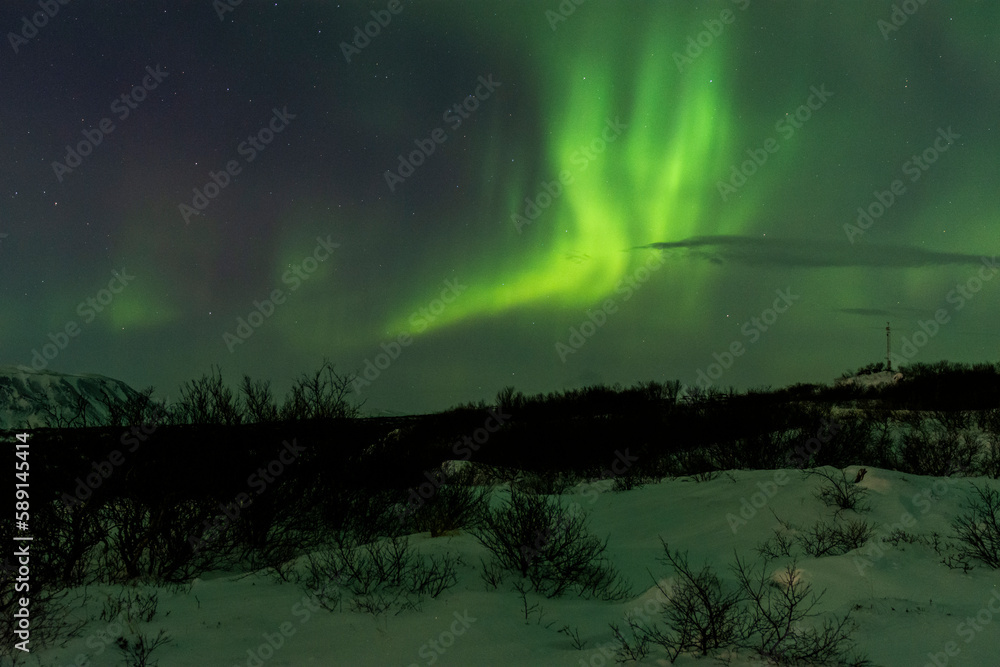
(337, 540)
(32, 399)
(905, 602)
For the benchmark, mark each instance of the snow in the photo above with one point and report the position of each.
(25, 394)
(872, 379)
(906, 603)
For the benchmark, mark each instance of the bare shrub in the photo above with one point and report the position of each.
(778, 546)
(835, 539)
(365, 514)
(547, 482)
(70, 534)
(322, 395)
(773, 617)
(452, 507)
(132, 410)
(380, 575)
(701, 615)
(50, 615)
(988, 461)
(840, 492)
(535, 536)
(137, 651)
(697, 462)
(147, 542)
(507, 399)
(777, 616)
(634, 478)
(939, 446)
(259, 406)
(979, 529)
(207, 401)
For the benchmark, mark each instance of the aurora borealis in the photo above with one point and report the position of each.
(453, 197)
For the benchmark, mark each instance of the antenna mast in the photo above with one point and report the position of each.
(888, 349)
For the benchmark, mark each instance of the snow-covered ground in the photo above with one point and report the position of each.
(911, 610)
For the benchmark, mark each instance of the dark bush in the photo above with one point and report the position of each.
(538, 538)
(940, 445)
(979, 529)
(322, 395)
(777, 615)
(701, 616)
(453, 507)
(379, 575)
(841, 493)
(69, 537)
(771, 618)
(207, 401)
(153, 542)
(826, 539)
(50, 608)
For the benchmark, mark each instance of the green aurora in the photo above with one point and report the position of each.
(623, 168)
(650, 173)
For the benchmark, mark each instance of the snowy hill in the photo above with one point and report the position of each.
(30, 398)
(910, 609)
(872, 379)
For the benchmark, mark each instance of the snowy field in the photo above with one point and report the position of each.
(910, 609)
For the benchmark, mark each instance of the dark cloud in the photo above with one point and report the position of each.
(884, 312)
(865, 311)
(763, 251)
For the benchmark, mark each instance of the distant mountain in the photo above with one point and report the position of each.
(30, 398)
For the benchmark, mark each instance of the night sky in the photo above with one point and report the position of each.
(480, 194)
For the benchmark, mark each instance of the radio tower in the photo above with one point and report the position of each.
(888, 349)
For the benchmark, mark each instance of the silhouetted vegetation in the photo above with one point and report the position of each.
(771, 618)
(979, 529)
(548, 545)
(232, 478)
